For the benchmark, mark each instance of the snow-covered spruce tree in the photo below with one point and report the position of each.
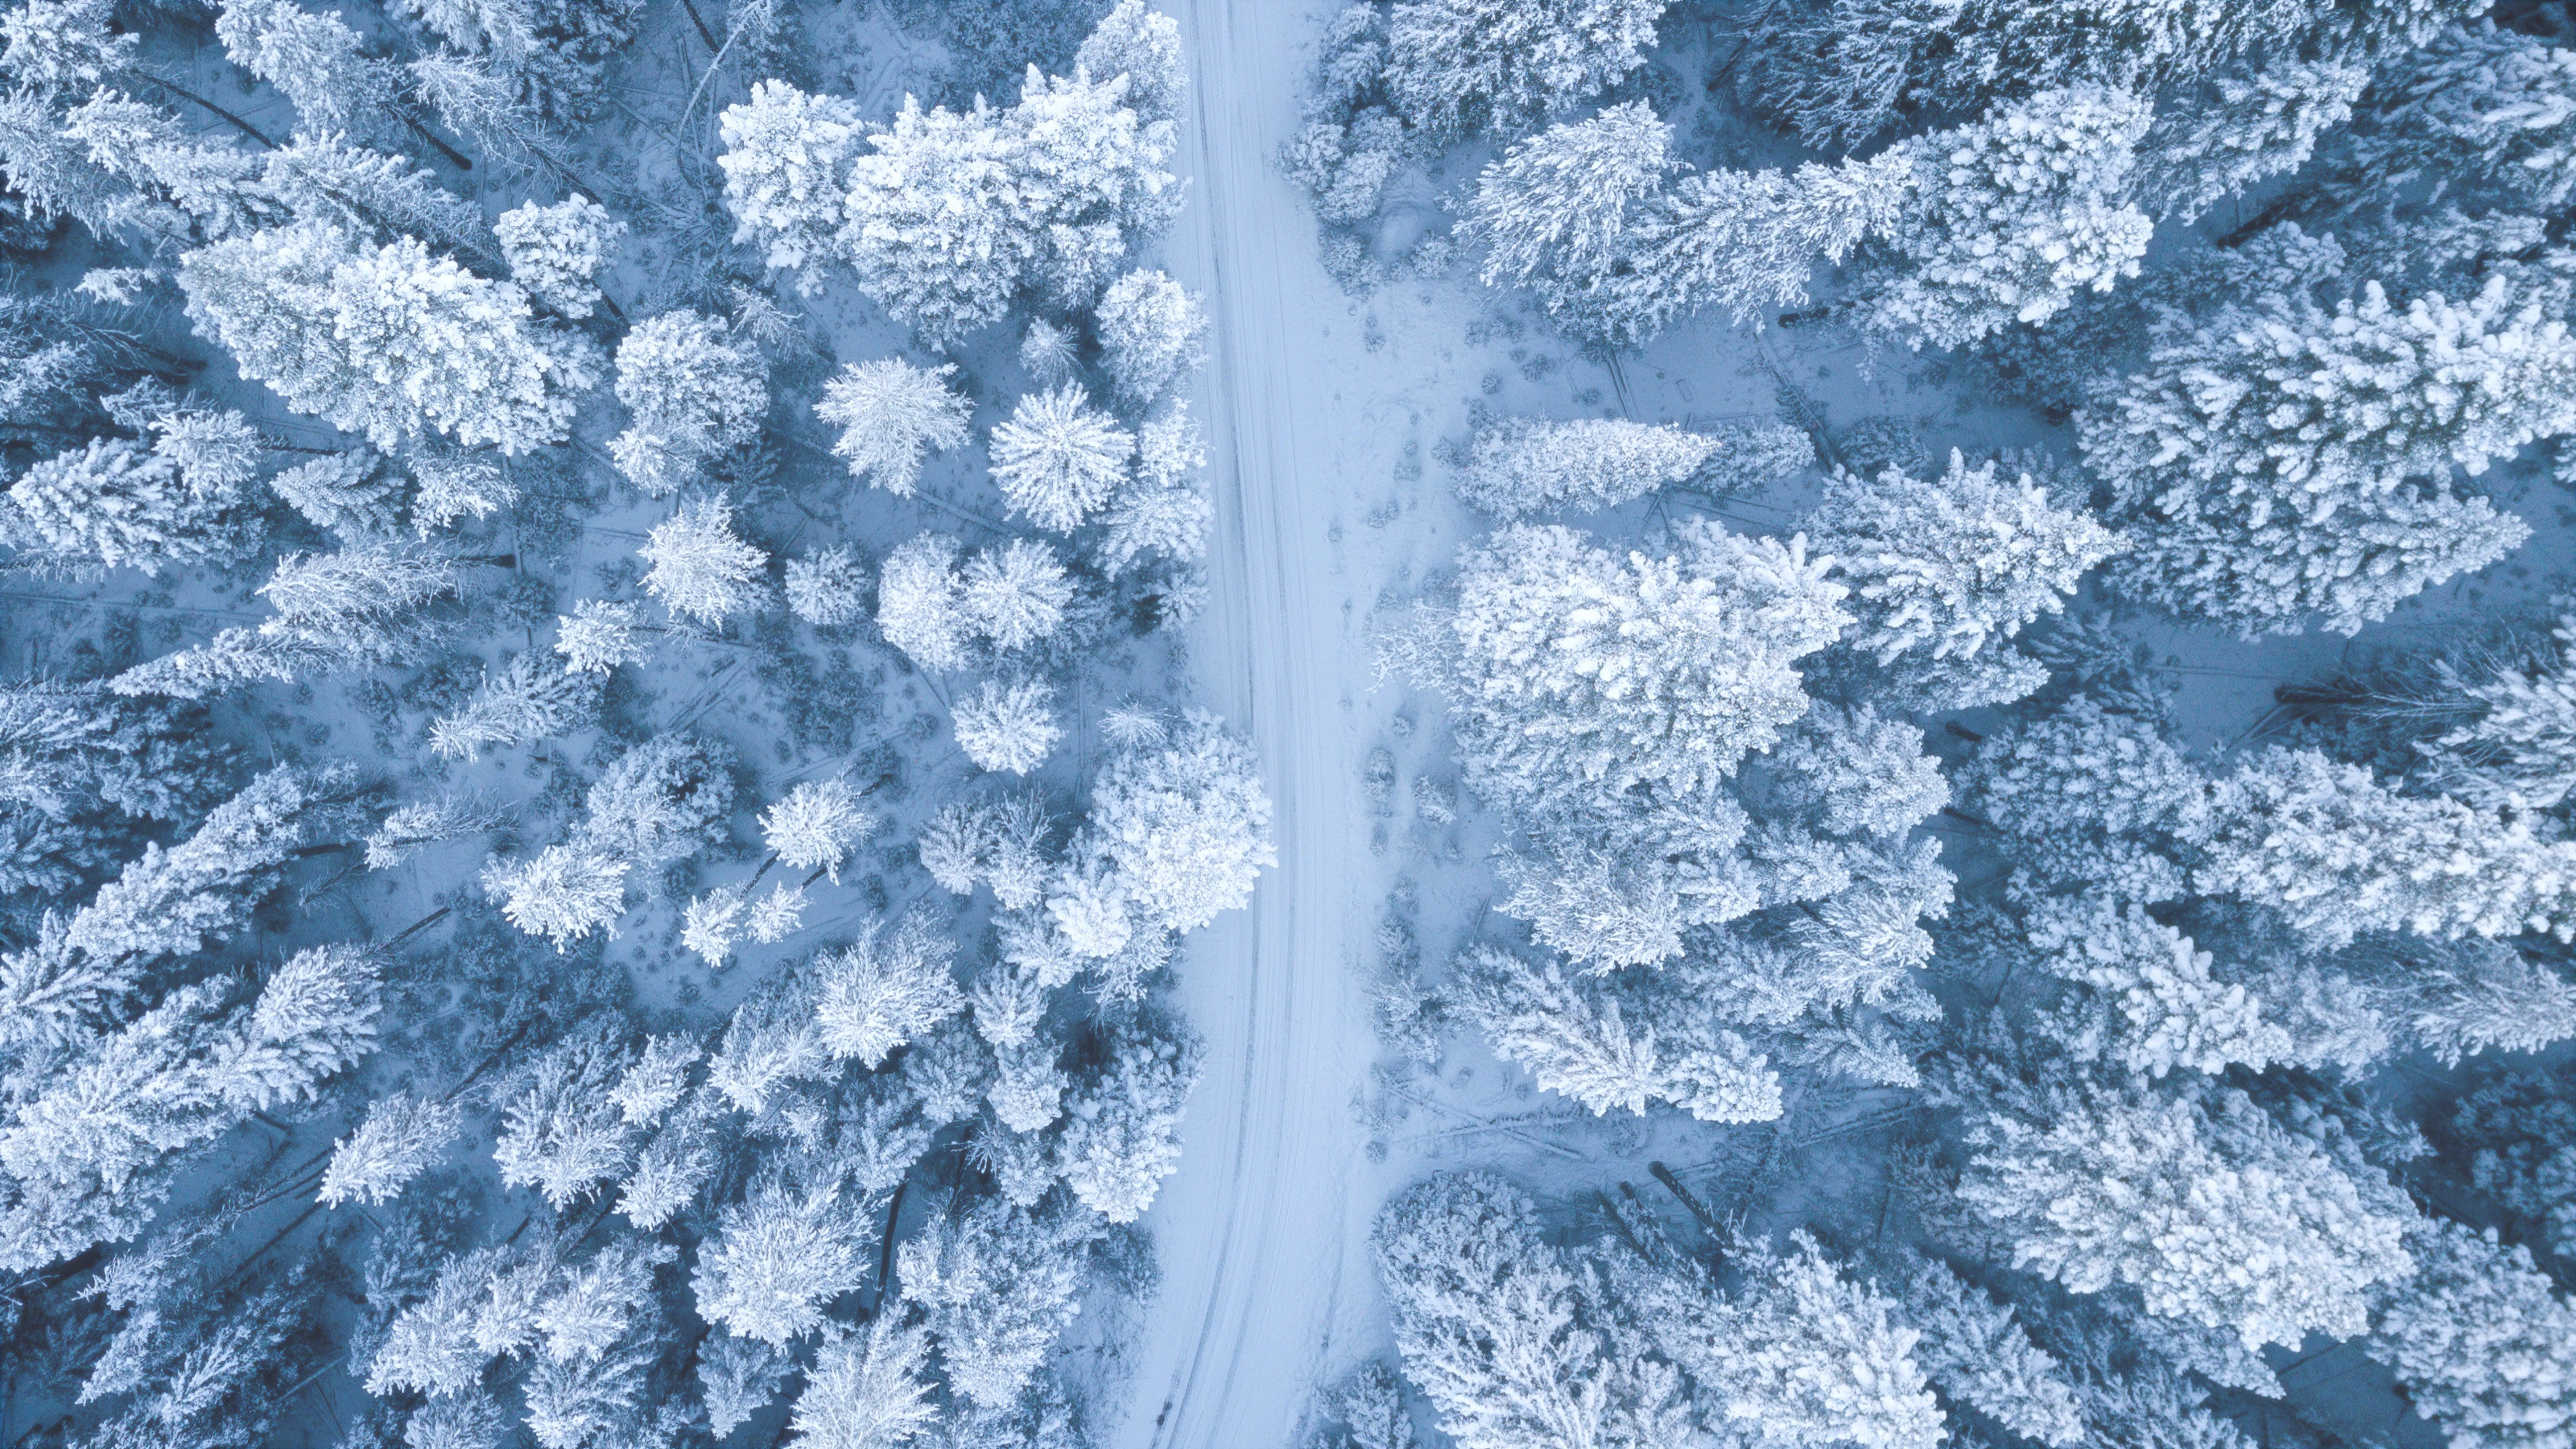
(1842, 72)
(2518, 752)
(389, 341)
(694, 390)
(919, 610)
(1057, 460)
(1518, 466)
(2206, 1205)
(701, 570)
(2010, 217)
(2284, 459)
(88, 1158)
(2090, 792)
(401, 1137)
(1152, 334)
(1944, 574)
(2484, 110)
(892, 415)
(557, 252)
(1748, 241)
(1495, 1329)
(119, 503)
(2258, 124)
(1978, 1355)
(316, 61)
(1458, 67)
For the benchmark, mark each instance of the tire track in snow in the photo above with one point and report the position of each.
(1254, 1229)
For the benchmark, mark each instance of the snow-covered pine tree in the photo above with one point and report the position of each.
(1122, 1128)
(777, 1258)
(1944, 574)
(999, 1283)
(1008, 727)
(786, 163)
(1058, 461)
(1144, 47)
(388, 341)
(1015, 595)
(525, 700)
(828, 589)
(557, 252)
(1183, 822)
(889, 987)
(2010, 217)
(892, 415)
(1458, 67)
(563, 892)
(561, 1131)
(700, 568)
(1518, 466)
(118, 503)
(1559, 214)
(2338, 853)
(2284, 459)
(1152, 334)
(867, 1389)
(694, 390)
(2484, 1345)
(1490, 1323)
(919, 608)
(598, 635)
(1163, 510)
(2207, 1206)
(816, 825)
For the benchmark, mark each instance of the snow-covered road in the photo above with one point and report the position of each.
(1261, 1231)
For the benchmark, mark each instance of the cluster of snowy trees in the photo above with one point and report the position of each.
(2285, 415)
(2125, 1130)
(535, 908)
